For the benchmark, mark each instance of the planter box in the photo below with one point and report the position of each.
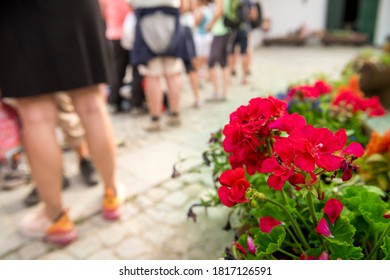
(356, 39)
(375, 81)
(286, 40)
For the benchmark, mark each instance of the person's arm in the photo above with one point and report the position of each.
(253, 12)
(217, 14)
(198, 15)
(185, 6)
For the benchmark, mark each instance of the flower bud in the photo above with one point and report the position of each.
(253, 203)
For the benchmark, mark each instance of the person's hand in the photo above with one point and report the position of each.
(208, 27)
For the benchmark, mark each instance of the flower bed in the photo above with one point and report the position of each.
(289, 170)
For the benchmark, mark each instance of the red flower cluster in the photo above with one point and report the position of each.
(306, 150)
(349, 100)
(253, 127)
(309, 91)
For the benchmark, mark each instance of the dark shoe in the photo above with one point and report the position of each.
(88, 172)
(33, 197)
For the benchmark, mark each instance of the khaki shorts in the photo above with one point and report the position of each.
(161, 66)
(68, 120)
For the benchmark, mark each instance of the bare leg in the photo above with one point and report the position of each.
(174, 89)
(92, 110)
(82, 150)
(226, 78)
(214, 80)
(39, 118)
(194, 81)
(154, 96)
(245, 68)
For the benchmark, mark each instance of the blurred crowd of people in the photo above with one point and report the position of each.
(65, 63)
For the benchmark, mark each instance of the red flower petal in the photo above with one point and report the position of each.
(355, 149)
(332, 209)
(268, 223)
(387, 215)
(323, 228)
(275, 182)
(223, 193)
(230, 176)
(347, 174)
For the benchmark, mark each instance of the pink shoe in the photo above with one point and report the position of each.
(38, 226)
(112, 205)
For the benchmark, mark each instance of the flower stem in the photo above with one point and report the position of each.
(293, 223)
(311, 208)
(313, 215)
(378, 243)
(295, 240)
(283, 197)
(288, 254)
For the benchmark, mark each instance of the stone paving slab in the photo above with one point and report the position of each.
(154, 225)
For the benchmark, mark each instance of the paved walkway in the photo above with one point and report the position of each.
(155, 225)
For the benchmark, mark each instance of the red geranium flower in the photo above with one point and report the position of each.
(248, 132)
(350, 153)
(288, 123)
(317, 146)
(281, 164)
(234, 186)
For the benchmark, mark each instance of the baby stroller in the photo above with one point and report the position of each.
(10, 149)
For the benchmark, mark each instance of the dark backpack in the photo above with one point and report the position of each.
(234, 14)
(258, 21)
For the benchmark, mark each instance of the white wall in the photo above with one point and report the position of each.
(382, 29)
(288, 15)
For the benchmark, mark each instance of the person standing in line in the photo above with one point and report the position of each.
(219, 51)
(203, 14)
(158, 51)
(74, 137)
(49, 47)
(114, 14)
(188, 22)
(241, 42)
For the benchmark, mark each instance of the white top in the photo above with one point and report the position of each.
(154, 3)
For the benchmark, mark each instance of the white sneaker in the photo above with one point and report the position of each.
(153, 126)
(174, 120)
(35, 224)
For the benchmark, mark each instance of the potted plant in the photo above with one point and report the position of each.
(292, 188)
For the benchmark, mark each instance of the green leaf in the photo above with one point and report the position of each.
(268, 243)
(375, 190)
(386, 248)
(345, 251)
(342, 231)
(373, 214)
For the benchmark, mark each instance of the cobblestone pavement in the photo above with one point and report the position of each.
(155, 225)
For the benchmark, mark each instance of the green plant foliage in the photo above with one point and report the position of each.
(321, 215)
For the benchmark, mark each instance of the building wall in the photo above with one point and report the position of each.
(382, 29)
(288, 15)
